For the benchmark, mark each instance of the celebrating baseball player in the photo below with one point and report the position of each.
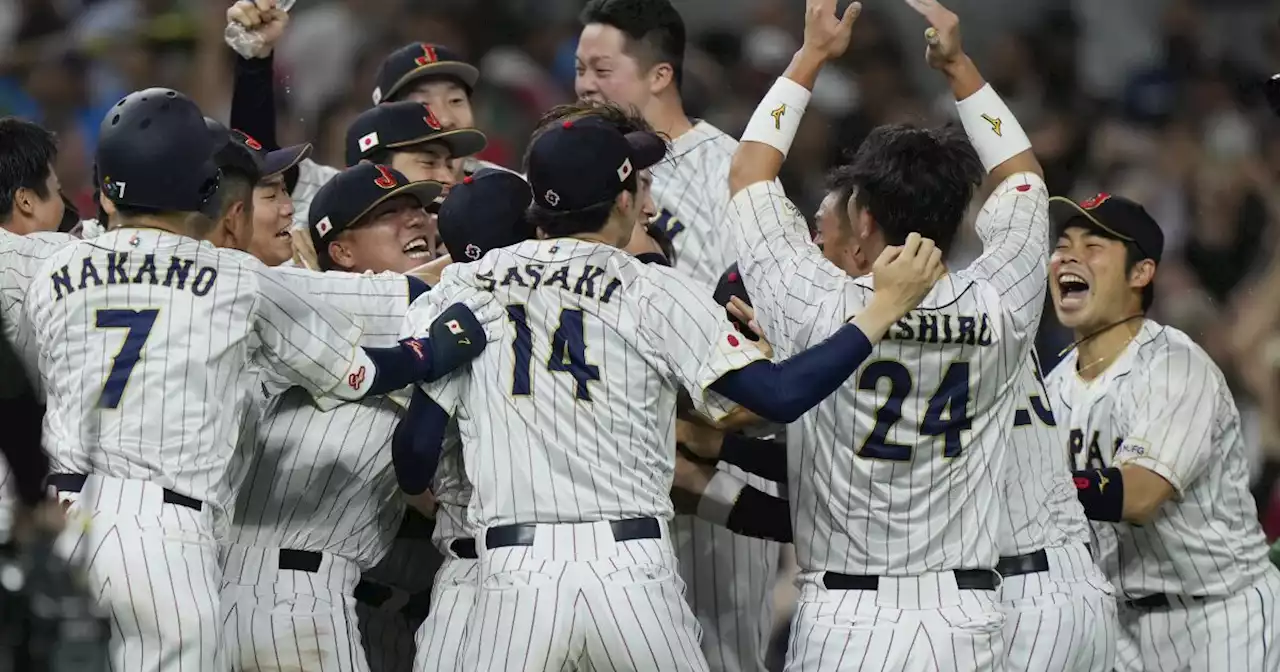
(900, 533)
(582, 407)
(631, 52)
(1159, 455)
(147, 338)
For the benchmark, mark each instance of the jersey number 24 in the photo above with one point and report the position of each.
(138, 324)
(947, 414)
(568, 352)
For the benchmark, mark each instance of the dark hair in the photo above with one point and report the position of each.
(654, 26)
(235, 185)
(916, 180)
(625, 119)
(26, 152)
(840, 182)
(1133, 255)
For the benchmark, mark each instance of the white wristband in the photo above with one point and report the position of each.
(719, 497)
(992, 128)
(776, 119)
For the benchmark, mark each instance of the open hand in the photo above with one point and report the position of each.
(747, 315)
(905, 275)
(826, 34)
(943, 34)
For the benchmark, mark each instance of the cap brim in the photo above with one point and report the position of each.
(647, 149)
(426, 192)
(462, 142)
(1063, 210)
(281, 160)
(463, 71)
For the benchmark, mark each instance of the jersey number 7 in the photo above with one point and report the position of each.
(568, 352)
(950, 400)
(139, 324)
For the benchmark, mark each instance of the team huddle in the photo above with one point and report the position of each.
(427, 413)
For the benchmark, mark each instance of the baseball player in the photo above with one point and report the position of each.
(273, 213)
(566, 434)
(147, 338)
(1059, 608)
(408, 137)
(895, 480)
(1160, 460)
(632, 52)
(318, 505)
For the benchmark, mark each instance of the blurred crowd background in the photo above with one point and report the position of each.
(1157, 100)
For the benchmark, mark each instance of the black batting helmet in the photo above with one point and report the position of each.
(155, 153)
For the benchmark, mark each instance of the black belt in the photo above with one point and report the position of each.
(464, 548)
(1158, 601)
(75, 483)
(376, 594)
(1028, 563)
(966, 579)
(414, 525)
(522, 535)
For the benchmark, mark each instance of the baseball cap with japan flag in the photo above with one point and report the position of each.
(580, 163)
(398, 126)
(352, 194)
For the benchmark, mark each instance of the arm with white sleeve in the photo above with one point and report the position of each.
(318, 347)
(1169, 443)
(1014, 223)
(771, 239)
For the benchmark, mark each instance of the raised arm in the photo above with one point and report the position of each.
(253, 96)
(771, 239)
(1014, 222)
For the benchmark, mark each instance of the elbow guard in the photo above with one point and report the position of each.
(1101, 491)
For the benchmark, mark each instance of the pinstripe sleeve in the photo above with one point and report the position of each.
(379, 300)
(1174, 413)
(306, 340)
(785, 274)
(1014, 228)
(695, 340)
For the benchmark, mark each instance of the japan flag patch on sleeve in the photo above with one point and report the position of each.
(454, 327)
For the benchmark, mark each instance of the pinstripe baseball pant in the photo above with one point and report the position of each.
(576, 598)
(441, 636)
(1234, 634)
(154, 565)
(908, 624)
(1062, 619)
(276, 619)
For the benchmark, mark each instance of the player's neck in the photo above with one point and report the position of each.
(667, 117)
(1099, 348)
(155, 223)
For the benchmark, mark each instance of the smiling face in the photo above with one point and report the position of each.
(1090, 280)
(606, 72)
(430, 161)
(394, 236)
(272, 218)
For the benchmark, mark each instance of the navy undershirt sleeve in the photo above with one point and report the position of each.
(417, 443)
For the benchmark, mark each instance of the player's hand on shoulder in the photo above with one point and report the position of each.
(746, 314)
(905, 274)
(490, 314)
(262, 17)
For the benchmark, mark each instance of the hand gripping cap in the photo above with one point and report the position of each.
(156, 153)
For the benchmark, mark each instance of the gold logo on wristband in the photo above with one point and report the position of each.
(1102, 481)
(995, 124)
(777, 116)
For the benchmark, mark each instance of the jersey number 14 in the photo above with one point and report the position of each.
(568, 352)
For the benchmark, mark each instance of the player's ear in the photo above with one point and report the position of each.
(23, 201)
(661, 76)
(341, 254)
(1142, 274)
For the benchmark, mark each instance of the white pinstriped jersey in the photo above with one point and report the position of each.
(1041, 508)
(896, 473)
(321, 480)
(453, 492)
(147, 343)
(20, 259)
(692, 214)
(311, 176)
(1163, 405)
(571, 416)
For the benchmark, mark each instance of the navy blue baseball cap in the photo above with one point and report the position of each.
(274, 161)
(484, 212)
(584, 162)
(418, 61)
(1113, 217)
(400, 125)
(350, 195)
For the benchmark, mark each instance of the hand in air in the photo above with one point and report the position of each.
(262, 17)
(943, 34)
(827, 34)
